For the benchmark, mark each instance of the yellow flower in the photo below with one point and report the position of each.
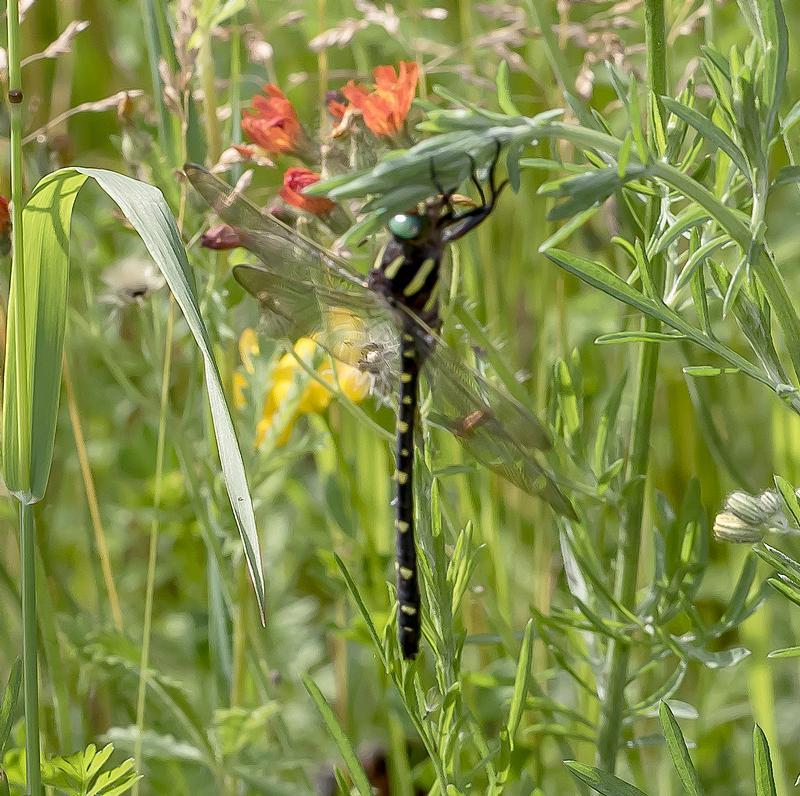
(354, 383)
(239, 383)
(265, 424)
(248, 348)
(316, 396)
(345, 331)
(290, 380)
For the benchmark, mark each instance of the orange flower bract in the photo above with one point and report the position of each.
(271, 122)
(294, 180)
(386, 107)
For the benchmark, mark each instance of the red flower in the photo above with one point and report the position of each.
(223, 236)
(5, 226)
(271, 122)
(5, 216)
(334, 101)
(385, 109)
(294, 180)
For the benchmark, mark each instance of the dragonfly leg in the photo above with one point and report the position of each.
(473, 175)
(447, 196)
(456, 226)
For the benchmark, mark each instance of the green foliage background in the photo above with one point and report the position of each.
(231, 706)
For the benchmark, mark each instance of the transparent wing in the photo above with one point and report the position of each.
(491, 426)
(282, 249)
(355, 326)
(306, 291)
(362, 330)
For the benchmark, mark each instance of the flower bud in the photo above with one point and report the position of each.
(731, 528)
(746, 507)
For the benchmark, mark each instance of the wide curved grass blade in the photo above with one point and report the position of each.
(35, 346)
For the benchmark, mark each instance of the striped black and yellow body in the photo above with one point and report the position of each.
(408, 602)
(407, 276)
(305, 291)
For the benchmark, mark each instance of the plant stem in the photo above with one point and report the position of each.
(91, 499)
(27, 540)
(144, 663)
(205, 61)
(29, 648)
(630, 537)
(17, 246)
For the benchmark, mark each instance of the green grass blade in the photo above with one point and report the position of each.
(34, 393)
(521, 682)
(340, 739)
(679, 753)
(9, 703)
(145, 208)
(601, 781)
(28, 452)
(765, 780)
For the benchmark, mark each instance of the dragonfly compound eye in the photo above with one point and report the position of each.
(405, 226)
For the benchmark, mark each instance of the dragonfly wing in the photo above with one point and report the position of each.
(306, 290)
(491, 426)
(281, 248)
(357, 327)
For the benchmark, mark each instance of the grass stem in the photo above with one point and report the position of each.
(23, 404)
(630, 537)
(30, 648)
(144, 662)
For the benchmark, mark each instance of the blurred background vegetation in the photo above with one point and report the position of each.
(226, 709)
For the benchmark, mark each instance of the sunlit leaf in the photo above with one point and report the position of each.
(34, 354)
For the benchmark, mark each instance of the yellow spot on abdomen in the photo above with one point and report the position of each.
(418, 282)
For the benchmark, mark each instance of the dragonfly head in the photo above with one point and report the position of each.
(408, 226)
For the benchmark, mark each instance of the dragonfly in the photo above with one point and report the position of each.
(387, 324)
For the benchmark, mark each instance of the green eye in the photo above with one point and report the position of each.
(405, 226)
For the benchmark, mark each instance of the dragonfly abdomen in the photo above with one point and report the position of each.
(408, 601)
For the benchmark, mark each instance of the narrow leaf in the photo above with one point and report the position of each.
(521, 681)
(708, 370)
(785, 652)
(791, 118)
(600, 277)
(373, 633)
(786, 176)
(503, 84)
(638, 337)
(789, 497)
(710, 132)
(9, 703)
(678, 752)
(780, 561)
(341, 740)
(601, 781)
(28, 451)
(765, 781)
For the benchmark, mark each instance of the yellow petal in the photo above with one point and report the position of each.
(306, 349)
(248, 348)
(239, 383)
(278, 394)
(285, 369)
(354, 383)
(316, 396)
(266, 423)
